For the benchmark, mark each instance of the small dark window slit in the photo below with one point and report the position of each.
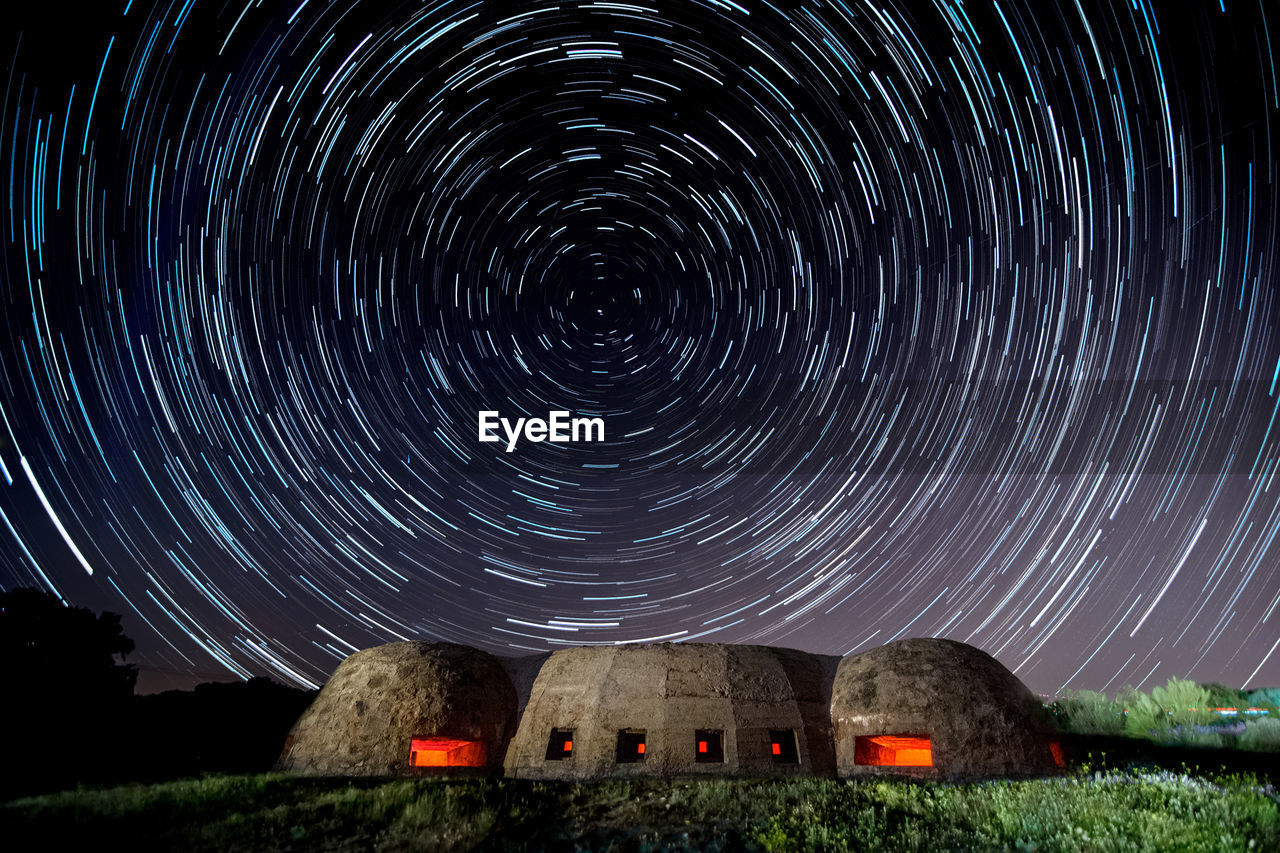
(630, 746)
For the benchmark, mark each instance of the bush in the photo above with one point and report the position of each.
(1088, 712)
(1222, 696)
(1171, 713)
(1145, 718)
(1192, 737)
(1187, 702)
(1261, 736)
(1266, 697)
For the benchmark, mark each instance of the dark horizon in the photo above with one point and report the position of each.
(906, 320)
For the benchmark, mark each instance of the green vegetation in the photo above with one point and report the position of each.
(1088, 712)
(1102, 810)
(1261, 735)
(1181, 712)
(1176, 708)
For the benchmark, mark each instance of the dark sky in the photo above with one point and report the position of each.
(903, 319)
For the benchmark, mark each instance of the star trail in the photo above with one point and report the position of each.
(903, 319)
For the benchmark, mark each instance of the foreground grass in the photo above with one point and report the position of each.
(1112, 810)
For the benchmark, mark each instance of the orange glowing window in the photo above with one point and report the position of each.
(710, 746)
(445, 752)
(1055, 749)
(893, 750)
(782, 745)
(560, 745)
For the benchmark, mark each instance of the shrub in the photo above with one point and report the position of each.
(1261, 736)
(1187, 702)
(1146, 718)
(1088, 712)
(1191, 737)
(1222, 696)
(1171, 713)
(1266, 697)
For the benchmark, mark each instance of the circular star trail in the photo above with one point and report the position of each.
(906, 319)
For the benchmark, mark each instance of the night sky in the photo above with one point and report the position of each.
(943, 318)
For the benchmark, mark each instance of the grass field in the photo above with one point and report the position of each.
(1119, 810)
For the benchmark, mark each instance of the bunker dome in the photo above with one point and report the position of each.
(404, 709)
(676, 709)
(937, 708)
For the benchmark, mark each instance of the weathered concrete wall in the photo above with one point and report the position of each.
(982, 721)
(378, 699)
(523, 671)
(670, 691)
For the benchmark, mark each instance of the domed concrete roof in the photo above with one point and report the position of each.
(676, 709)
(384, 703)
(978, 718)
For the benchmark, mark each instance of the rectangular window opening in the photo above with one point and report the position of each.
(560, 745)
(708, 745)
(445, 752)
(905, 750)
(782, 746)
(630, 746)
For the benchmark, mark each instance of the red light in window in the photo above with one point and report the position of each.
(640, 748)
(893, 750)
(702, 746)
(445, 752)
(777, 749)
(568, 746)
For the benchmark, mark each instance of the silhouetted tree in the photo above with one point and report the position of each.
(236, 727)
(55, 647)
(67, 692)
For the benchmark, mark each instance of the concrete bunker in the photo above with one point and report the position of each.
(676, 709)
(922, 707)
(937, 708)
(407, 709)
